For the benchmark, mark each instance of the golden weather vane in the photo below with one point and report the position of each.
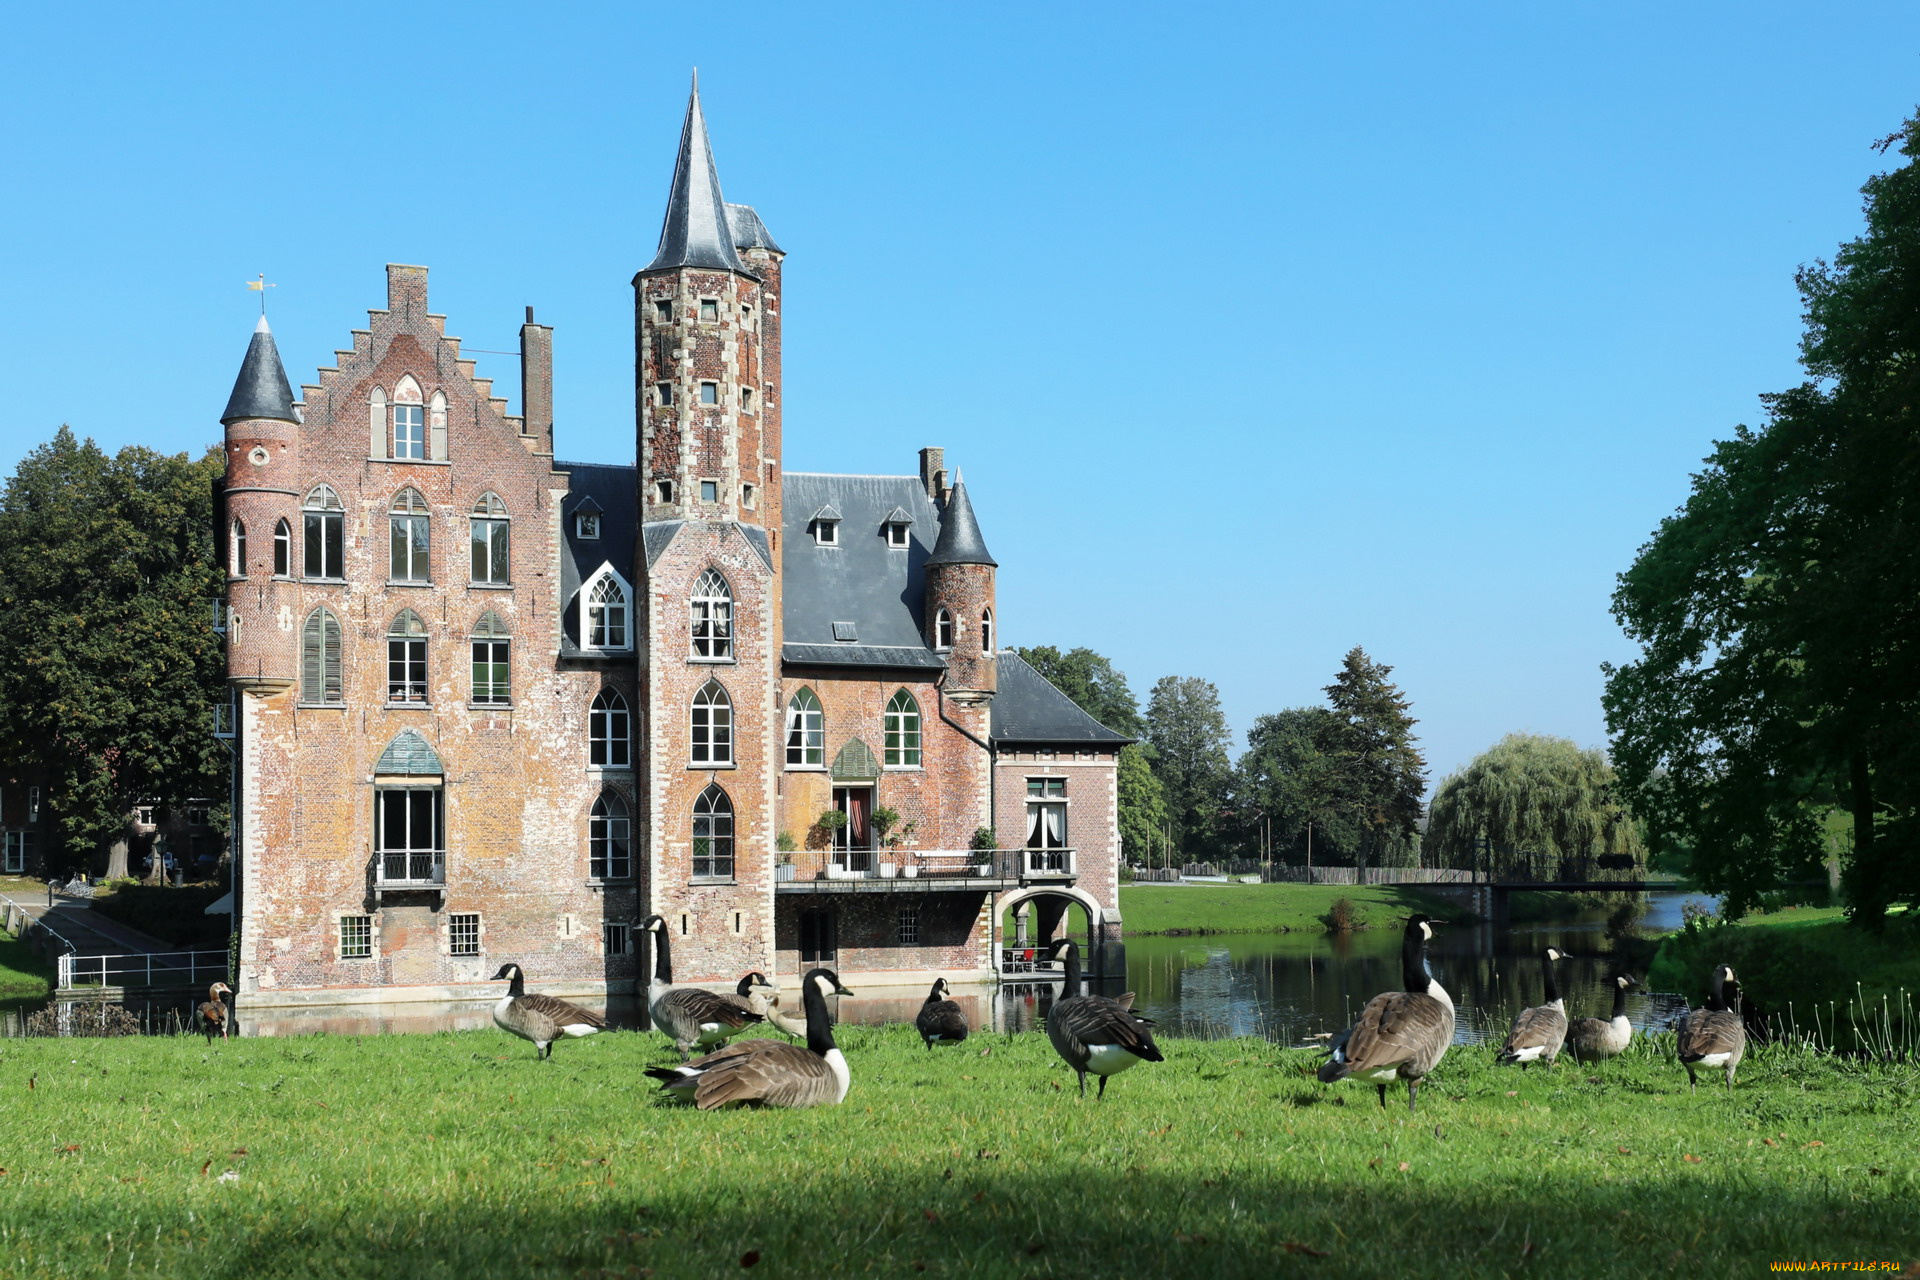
(262, 285)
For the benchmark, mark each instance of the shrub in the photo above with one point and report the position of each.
(1341, 917)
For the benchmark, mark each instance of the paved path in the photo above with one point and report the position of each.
(90, 932)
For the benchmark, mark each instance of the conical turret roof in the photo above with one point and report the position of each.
(960, 541)
(261, 390)
(696, 232)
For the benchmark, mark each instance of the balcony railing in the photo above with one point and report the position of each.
(408, 870)
(999, 866)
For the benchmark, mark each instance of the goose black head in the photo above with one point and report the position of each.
(1063, 948)
(940, 985)
(1422, 924)
(1555, 953)
(1624, 982)
(826, 982)
(506, 974)
(752, 980)
(653, 924)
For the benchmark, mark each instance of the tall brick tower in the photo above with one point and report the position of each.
(960, 576)
(263, 512)
(707, 395)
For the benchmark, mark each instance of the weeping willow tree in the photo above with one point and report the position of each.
(1536, 803)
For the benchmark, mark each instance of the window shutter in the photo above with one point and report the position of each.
(310, 668)
(330, 627)
(437, 427)
(377, 424)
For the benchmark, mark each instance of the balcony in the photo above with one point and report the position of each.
(918, 870)
(410, 871)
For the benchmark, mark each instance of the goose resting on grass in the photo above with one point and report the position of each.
(1539, 1032)
(770, 1073)
(541, 1019)
(1715, 1036)
(1401, 1035)
(212, 1014)
(691, 1017)
(1597, 1039)
(1093, 1033)
(940, 1020)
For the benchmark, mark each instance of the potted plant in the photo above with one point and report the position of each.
(784, 870)
(902, 841)
(884, 820)
(983, 844)
(831, 823)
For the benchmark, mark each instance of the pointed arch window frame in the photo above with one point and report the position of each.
(322, 671)
(901, 738)
(610, 838)
(806, 735)
(710, 728)
(710, 618)
(986, 631)
(711, 854)
(491, 648)
(237, 548)
(943, 630)
(410, 539)
(490, 542)
(323, 551)
(610, 732)
(616, 618)
(282, 549)
(407, 660)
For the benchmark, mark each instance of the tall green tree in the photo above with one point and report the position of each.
(1188, 733)
(1143, 806)
(1294, 776)
(1094, 684)
(1778, 613)
(109, 663)
(1385, 772)
(1537, 801)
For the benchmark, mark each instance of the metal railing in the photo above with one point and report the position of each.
(923, 864)
(157, 969)
(410, 868)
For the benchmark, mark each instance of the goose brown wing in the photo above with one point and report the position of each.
(767, 1073)
(1090, 1020)
(1540, 1026)
(943, 1019)
(564, 1013)
(1581, 1030)
(702, 1007)
(1398, 1027)
(1711, 1031)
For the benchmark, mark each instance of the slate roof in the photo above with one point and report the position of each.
(696, 231)
(878, 588)
(409, 755)
(960, 541)
(1028, 709)
(611, 490)
(748, 231)
(261, 390)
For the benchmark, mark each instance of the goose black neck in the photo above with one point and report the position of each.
(1072, 962)
(1553, 988)
(662, 956)
(1718, 1000)
(517, 985)
(933, 996)
(1619, 1001)
(819, 1025)
(1413, 960)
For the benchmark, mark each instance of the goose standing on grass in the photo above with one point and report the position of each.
(541, 1019)
(213, 1014)
(1597, 1039)
(1401, 1035)
(690, 1017)
(1539, 1032)
(1094, 1033)
(940, 1020)
(770, 1073)
(1715, 1036)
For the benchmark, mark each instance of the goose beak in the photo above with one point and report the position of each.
(840, 990)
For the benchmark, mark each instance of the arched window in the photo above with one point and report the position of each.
(326, 534)
(609, 732)
(986, 631)
(410, 530)
(407, 659)
(492, 673)
(713, 835)
(712, 617)
(606, 606)
(320, 659)
(609, 836)
(806, 731)
(237, 550)
(409, 421)
(903, 732)
(712, 726)
(491, 542)
(943, 630)
(282, 550)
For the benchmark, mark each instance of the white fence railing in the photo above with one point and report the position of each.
(159, 969)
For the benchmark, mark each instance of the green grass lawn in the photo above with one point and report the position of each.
(458, 1155)
(23, 971)
(1266, 908)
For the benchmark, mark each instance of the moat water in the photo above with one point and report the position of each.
(1285, 987)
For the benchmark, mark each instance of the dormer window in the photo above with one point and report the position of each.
(586, 525)
(896, 535)
(826, 526)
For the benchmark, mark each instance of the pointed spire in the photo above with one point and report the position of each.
(696, 232)
(261, 390)
(960, 541)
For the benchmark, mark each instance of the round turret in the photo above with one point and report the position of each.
(960, 604)
(262, 518)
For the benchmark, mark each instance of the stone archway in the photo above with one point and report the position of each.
(1014, 903)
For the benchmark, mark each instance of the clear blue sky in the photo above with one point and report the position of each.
(1259, 331)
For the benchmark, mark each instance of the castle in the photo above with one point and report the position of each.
(491, 706)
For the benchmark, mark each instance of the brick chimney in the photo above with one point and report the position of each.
(536, 386)
(933, 472)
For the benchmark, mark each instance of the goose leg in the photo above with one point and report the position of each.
(1383, 1097)
(1413, 1090)
(1102, 1091)
(1083, 1084)
(1693, 1085)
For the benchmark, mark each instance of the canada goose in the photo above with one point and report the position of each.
(1400, 1035)
(940, 1020)
(1715, 1036)
(770, 1073)
(690, 1017)
(1596, 1039)
(1539, 1032)
(541, 1019)
(752, 993)
(1094, 1033)
(212, 1014)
